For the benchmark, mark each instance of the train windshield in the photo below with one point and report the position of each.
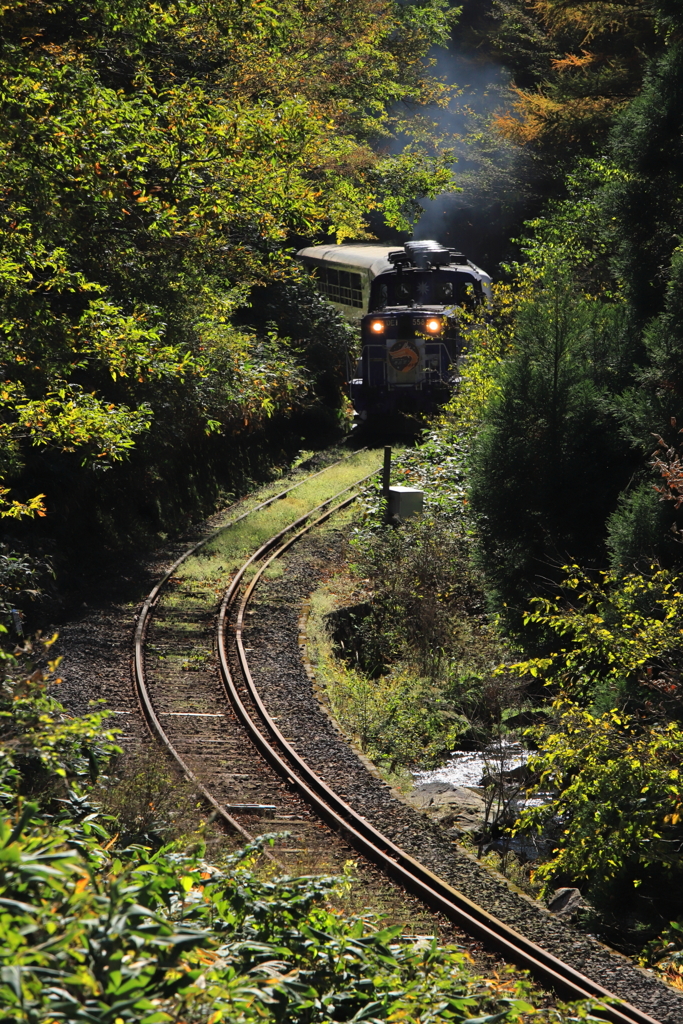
(424, 288)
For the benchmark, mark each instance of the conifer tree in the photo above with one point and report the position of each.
(549, 461)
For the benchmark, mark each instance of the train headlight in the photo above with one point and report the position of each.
(433, 326)
(377, 326)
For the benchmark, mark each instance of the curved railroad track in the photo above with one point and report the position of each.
(246, 735)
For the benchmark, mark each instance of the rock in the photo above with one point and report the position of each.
(566, 902)
(514, 777)
(444, 794)
(519, 774)
(461, 821)
(435, 787)
(454, 806)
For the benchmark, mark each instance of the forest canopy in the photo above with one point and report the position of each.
(157, 160)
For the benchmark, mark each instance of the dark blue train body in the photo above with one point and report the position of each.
(407, 303)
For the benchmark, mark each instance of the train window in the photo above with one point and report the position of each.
(340, 286)
(413, 286)
(467, 297)
(403, 291)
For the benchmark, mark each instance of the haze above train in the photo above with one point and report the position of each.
(406, 302)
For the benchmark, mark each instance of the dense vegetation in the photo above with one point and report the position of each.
(158, 162)
(555, 482)
(97, 925)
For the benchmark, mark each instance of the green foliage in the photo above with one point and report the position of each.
(156, 163)
(664, 954)
(650, 407)
(638, 531)
(593, 361)
(645, 202)
(601, 265)
(606, 775)
(616, 789)
(96, 930)
(488, 340)
(21, 577)
(419, 581)
(319, 335)
(401, 720)
(548, 463)
(139, 938)
(622, 631)
(409, 670)
(43, 749)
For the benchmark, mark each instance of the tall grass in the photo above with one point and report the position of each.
(227, 552)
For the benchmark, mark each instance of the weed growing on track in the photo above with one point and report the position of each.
(151, 804)
(235, 543)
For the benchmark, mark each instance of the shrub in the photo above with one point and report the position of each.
(92, 928)
(420, 579)
(615, 788)
(413, 672)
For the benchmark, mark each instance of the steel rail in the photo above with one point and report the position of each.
(139, 676)
(398, 864)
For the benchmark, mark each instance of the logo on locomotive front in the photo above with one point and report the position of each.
(404, 356)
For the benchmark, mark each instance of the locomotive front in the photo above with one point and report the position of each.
(411, 339)
(408, 360)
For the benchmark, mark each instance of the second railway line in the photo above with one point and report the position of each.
(273, 721)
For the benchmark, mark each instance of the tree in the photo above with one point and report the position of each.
(615, 787)
(575, 65)
(610, 752)
(548, 462)
(645, 202)
(156, 160)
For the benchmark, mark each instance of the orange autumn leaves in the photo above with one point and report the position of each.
(600, 50)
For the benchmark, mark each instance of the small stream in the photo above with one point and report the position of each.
(470, 771)
(469, 767)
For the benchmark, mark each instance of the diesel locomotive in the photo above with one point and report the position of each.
(406, 302)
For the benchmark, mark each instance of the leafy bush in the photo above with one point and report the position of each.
(420, 580)
(409, 669)
(607, 774)
(621, 639)
(96, 935)
(22, 578)
(399, 719)
(46, 754)
(665, 953)
(94, 929)
(611, 791)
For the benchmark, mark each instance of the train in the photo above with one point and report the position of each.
(406, 303)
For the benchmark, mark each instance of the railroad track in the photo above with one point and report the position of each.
(244, 733)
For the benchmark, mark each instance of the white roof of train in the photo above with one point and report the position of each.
(373, 258)
(366, 256)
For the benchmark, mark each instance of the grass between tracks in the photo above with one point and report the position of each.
(227, 552)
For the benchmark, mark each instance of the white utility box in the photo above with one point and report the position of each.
(405, 501)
